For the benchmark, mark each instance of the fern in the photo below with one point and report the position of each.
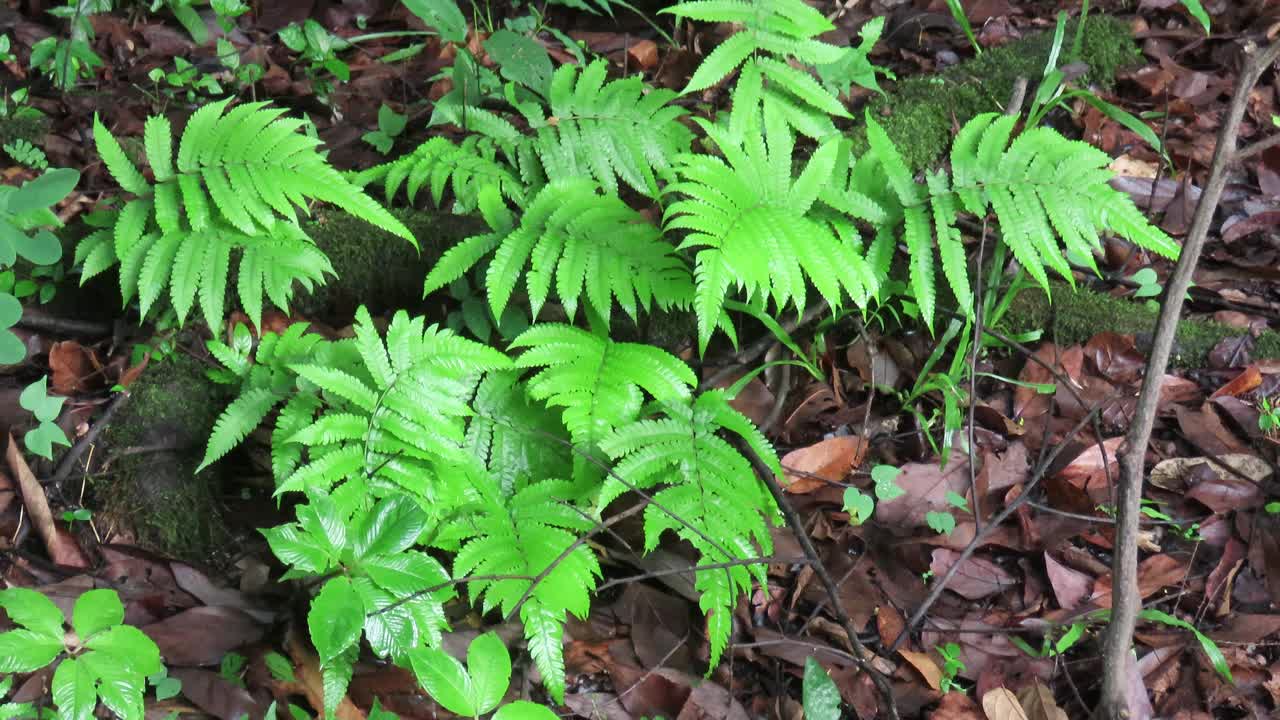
(712, 499)
(587, 242)
(773, 33)
(1041, 187)
(439, 164)
(230, 192)
(520, 540)
(399, 422)
(600, 383)
(265, 381)
(518, 438)
(616, 131)
(752, 223)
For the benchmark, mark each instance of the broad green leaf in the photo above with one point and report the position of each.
(32, 610)
(335, 618)
(443, 15)
(25, 650)
(12, 350)
(73, 691)
(940, 522)
(95, 611)
(393, 525)
(298, 549)
(821, 697)
(490, 666)
(885, 487)
(44, 191)
(521, 60)
(524, 710)
(858, 505)
(119, 684)
(280, 666)
(444, 679)
(10, 310)
(129, 646)
(957, 500)
(42, 248)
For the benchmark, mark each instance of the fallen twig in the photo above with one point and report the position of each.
(828, 583)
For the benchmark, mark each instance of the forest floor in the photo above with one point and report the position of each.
(199, 579)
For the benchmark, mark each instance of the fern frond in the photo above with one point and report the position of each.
(526, 538)
(1046, 192)
(239, 178)
(600, 383)
(396, 417)
(752, 224)
(590, 243)
(713, 500)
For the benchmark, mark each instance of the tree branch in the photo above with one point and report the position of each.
(1125, 598)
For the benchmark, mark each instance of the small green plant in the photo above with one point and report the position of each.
(25, 216)
(35, 399)
(185, 79)
(67, 59)
(390, 126)
(102, 659)
(479, 686)
(319, 48)
(859, 505)
(71, 517)
(1269, 416)
(24, 153)
(1050, 647)
(819, 693)
(952, 666)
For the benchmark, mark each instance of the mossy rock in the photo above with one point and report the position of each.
(374, 267)
(153, 446)
(1075, 315)
(921, 113)
(29, 127)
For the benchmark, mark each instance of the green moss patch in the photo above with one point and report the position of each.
(1076, 315)
(921, 113)
(153, 445)
(374, 267)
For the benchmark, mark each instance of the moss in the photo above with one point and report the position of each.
(374, 267)
(1077, 315)
(31, 128)
(154, 444)
(920, 113)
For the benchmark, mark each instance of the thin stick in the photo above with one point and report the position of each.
(1125, 600)
(828, 583)
(68, 462)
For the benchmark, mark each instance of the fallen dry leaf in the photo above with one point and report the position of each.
(1248, 380)
(1037, 701)
(976, 578)
(1174, 474)
(1070, 587)
(202, 635)
(925, 487)
(1001, 704)
(1154, 573)
(956, 706)
(61, 547)
(813, 467)
(925, 665)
